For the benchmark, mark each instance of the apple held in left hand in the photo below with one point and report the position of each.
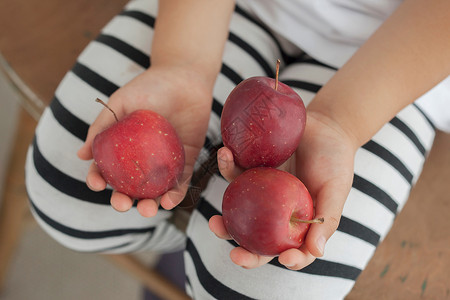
(140, 156)
(267, 211)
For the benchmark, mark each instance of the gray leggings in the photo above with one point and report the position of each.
(385, 168)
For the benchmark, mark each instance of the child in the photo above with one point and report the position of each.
(363, 147)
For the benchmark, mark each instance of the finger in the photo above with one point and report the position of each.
(226, 164)
(296, 259)
(121, 202)
(148, 207)
(174, 196)
(248, 260)
(329, 205)
(94, 179)
(85, 152)
(218, 228)
(103, 121)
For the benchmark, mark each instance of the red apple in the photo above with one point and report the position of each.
(140, 155)
(262, 122)
(267, 211)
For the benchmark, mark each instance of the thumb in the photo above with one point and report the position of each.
(227, 167)
(329, 205)
(106, 118)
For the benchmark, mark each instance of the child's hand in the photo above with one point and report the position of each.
(183, 98)
(324, 163)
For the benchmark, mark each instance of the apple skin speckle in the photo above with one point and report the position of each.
(137, 159)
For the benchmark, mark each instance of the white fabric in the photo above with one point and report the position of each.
(320, 25)
(343, 26)
(436, 104)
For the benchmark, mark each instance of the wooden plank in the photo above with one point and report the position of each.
(152, 279)
(13, 205)
(41, 39)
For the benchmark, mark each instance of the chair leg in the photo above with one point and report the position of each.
(152, 279)
(14, 206)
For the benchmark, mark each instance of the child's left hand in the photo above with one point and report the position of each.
(324, 163)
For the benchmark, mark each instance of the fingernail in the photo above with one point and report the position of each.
(321, 241)
(289, 265)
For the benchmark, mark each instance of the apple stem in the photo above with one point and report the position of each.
(317, 221)
(276, 74)
(106, 105)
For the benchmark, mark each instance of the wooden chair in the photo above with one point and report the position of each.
(40, 41)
